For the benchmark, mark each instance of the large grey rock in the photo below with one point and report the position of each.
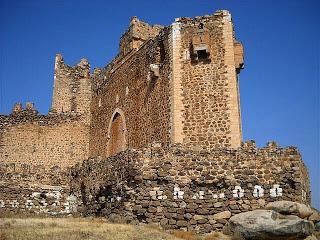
(269, 225)
(290, 208)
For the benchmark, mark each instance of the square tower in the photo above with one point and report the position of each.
(206, 58)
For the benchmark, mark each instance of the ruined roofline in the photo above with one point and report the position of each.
(7, 121)
(152, 30)
(213, 17)
(136, 21)
(216, 15)
(82, 64)
(121, 58)
(142, 31)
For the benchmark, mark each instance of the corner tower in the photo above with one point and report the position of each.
(205, 105)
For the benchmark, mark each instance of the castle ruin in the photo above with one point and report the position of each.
(154, 136)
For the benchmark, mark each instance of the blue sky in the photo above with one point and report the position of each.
(279, 85)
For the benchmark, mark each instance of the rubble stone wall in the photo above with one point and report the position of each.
(189, 189)
(35, 189)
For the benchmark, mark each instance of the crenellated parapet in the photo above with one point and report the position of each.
(29, 109)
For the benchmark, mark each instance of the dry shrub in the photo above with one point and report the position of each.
(3, 236)
(217, 236)
(184, 235)
(41, 225)
(153, 226)
(13, 221)
(99, 220)
(7, 224)
(237, 235)
(53, 224)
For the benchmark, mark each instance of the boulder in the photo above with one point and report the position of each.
(269, 225)
(290, 208)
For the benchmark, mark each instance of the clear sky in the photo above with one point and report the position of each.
(279, 85)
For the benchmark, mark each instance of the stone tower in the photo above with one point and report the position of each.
(72, 88)
(172, 85)
(206, 59)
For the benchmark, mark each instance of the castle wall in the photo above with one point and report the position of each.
(208, 112)
(189, 189)
(60, 141)
(35, 153)
(128, 85)
(35, 189)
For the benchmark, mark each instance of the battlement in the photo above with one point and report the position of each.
(201, 44)
(19, 110)
(82, 69)
(43, 120)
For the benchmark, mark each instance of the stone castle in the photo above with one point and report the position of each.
(154, 136)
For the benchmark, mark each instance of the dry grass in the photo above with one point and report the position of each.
(194, 236)
(185, 235)
(88, 229)
(74, 229)
(217, 236)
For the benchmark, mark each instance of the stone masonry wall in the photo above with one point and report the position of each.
(129, 87)
(53, 140)
(36, 150)
(189, 189)
(35, 189)
(72, 88)
(206, 89)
